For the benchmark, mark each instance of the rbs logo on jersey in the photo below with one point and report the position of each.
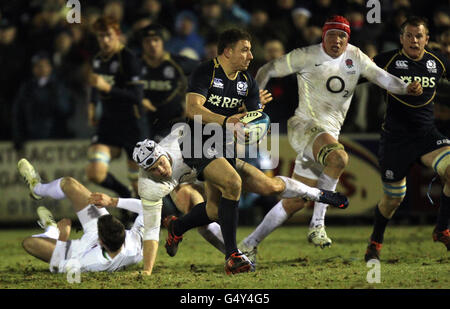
(426, 82)
(225, 102)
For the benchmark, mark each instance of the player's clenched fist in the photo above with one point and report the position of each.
(415, 88)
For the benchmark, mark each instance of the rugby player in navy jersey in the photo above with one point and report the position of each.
(408, 133)
(115, 86)
(216, 91)
(165, 82)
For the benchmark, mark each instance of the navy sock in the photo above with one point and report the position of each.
(228, 220)
(110, 182)
(379, 226)
(196, 217)
(444, 213)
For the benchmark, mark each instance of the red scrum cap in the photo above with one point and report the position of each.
(336, 22)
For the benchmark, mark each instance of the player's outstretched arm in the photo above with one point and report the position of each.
(103, 200)
(150, 250)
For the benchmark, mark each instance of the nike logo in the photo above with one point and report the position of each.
(318, 64)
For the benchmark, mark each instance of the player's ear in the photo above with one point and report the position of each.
(228, 52)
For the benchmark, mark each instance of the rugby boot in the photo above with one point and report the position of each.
(172, 241)
(31, 177)
(238, 263)
(443, 237)
(45, 217)
(248, 251)
(318, 236)
(334, 199)
(373, 251)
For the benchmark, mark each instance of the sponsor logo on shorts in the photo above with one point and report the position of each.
(443, 141)
(389, 174)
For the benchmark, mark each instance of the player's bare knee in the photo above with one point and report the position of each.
(275, 186)
(232, 187)
(68, 182)
(28, 244)
(337, 159)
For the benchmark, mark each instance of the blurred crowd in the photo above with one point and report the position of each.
(44, 59)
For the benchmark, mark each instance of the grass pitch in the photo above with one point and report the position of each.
(410, 259)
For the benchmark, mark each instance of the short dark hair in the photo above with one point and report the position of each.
(415, 21)
(230, 37)
(111, 232)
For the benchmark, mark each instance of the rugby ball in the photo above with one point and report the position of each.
(256, 126)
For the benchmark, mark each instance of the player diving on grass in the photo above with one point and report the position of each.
(327, 75)
(105, 245)
(163, 171)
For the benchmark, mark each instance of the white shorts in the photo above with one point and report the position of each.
(302, 134)
(88, 217)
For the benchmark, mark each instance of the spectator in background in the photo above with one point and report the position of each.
(281, 19)
(186, 35)
(320, 9)
(42, 105)
(234, 13)
(441, 22)
(12, 66)
(211, 18)
(45, 25)
(160, 12)
(284, 89)
(300, 20)
(392, 30)
(211, 44)
(259, 29)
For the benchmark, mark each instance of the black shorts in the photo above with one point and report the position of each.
(200, 158)
(122, 136)
(398, 153)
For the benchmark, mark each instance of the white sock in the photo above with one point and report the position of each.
(295, 188)
(51, 189)
(213, 234)
(273, 219)
(50, 232)
(324, 182)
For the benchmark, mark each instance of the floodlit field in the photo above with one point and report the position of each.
(410, 259)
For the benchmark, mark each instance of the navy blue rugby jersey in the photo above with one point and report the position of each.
(122, 72)
(168, 81)
(224, 96)
(407, 114)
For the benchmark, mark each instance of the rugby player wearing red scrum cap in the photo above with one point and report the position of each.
(327, 75)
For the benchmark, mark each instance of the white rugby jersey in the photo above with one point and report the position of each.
(93, 258)
(325, 84)
(152, 190)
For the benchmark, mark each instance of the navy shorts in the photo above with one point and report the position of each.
(122, 136)
(397, 154)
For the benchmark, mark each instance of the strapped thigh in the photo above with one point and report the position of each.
(99, 156)
(395, 191)
(441, 162)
